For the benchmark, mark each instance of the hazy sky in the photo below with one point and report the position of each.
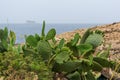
(60, 11)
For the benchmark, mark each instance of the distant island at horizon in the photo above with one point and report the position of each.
(30, 22)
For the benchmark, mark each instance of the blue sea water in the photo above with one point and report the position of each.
(27, 29)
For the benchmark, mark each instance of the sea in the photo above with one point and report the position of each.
(30, 29)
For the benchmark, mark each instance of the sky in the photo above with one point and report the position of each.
(60, 11)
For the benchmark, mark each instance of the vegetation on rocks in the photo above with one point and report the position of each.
(42, 57)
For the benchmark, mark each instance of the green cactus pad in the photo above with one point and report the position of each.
(44, 49)
(94, 39)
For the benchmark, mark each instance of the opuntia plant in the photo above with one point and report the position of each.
(7, 40)
(73, 60)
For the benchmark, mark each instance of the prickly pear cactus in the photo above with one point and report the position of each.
(84, 37)
(94, 39)
(3, 39)
(44, 49)
(1, 34)
(51, 34)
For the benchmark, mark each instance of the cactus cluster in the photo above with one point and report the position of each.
(7, 40)
(95, 38)
(3, 39)
(73, 60)
(74, 57)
